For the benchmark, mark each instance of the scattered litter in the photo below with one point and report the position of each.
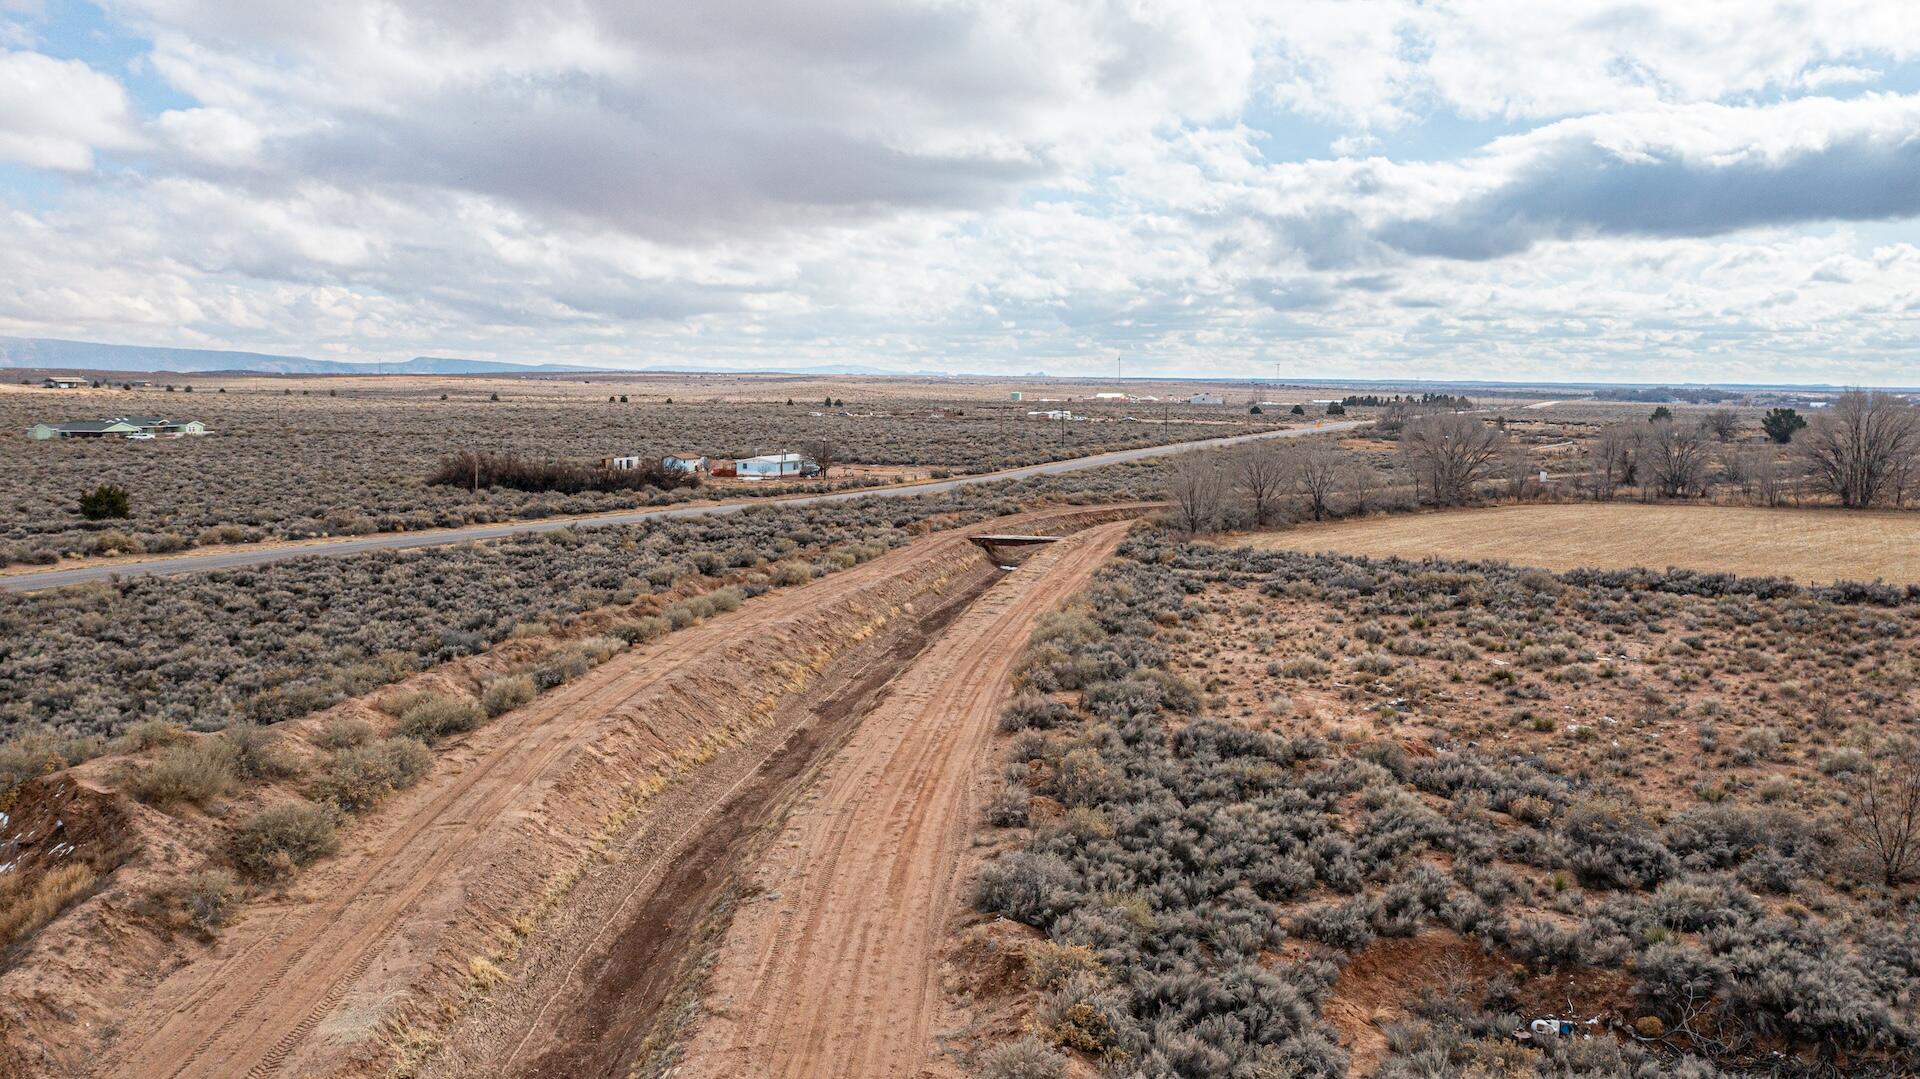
(1552, 1027)
(1546, 1027)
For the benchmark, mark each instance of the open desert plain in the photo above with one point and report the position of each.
(934, 539)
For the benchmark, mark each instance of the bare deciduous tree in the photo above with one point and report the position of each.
(1764, 473)
(1903, 482)
(1519, 469)
(1675, 457)
(1885, 816)
(1724, 423)
(1612, 461)
(824, 452)
(1360, 480)
(1262, 471)
(1199, 492)
(1451, 452)
(1757, 470)
(1855, 447)
(1316, 469)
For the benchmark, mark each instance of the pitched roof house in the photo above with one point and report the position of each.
(118, 427)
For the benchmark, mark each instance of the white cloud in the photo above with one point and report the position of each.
(55, 113)
(975, 185)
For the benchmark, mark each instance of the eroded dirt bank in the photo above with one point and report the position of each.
(382, 947)
(833, 968)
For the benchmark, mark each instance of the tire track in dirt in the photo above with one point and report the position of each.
(587, 1017)
(244, 1013)
(836, 971)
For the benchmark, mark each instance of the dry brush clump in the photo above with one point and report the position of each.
(1664, 851)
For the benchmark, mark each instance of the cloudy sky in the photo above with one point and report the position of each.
(1636, 192)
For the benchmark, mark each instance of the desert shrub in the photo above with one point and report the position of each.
(1347, 925)
(106, 501)
(1033, 710)
(505, 693)
(113, 542)
(570, 661)
(788, 574)
(259, 754)
(150, 733)
(209, 896)
(1304, 667)
(430, 717)
(1008, 809)
(38, 753)
(196, 771)
(276, 841)
(1730, 836)
(358, 777)
(343, 731)
(1050, 964)
(643, 629)
(1530, 809)
(1611, 846)
(1145, 692)
(1024, 1058)
(220, 535)
(1029, 887)
(1375, 663)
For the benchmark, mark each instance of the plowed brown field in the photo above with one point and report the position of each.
(1810, 545)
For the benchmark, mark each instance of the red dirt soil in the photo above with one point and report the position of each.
(835, 971)
(324, 978)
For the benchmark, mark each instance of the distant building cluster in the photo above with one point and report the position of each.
(766, 466)
(134, 427)
(75, 382)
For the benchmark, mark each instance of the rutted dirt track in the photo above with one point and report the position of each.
(836, 971)
(304, 983)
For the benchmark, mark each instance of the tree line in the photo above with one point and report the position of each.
(1861, 451)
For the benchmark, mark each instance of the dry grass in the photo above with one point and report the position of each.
(1811, 546)
(26, 907)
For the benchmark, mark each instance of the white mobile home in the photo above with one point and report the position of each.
(684, 462)
(774, 466)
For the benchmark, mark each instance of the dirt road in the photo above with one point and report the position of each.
(252, 1007)
(835, 971)
(257, 554)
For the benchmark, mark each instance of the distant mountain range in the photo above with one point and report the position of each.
(94, 356)
(50, 353)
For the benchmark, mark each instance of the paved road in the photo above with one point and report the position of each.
(240, 557)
